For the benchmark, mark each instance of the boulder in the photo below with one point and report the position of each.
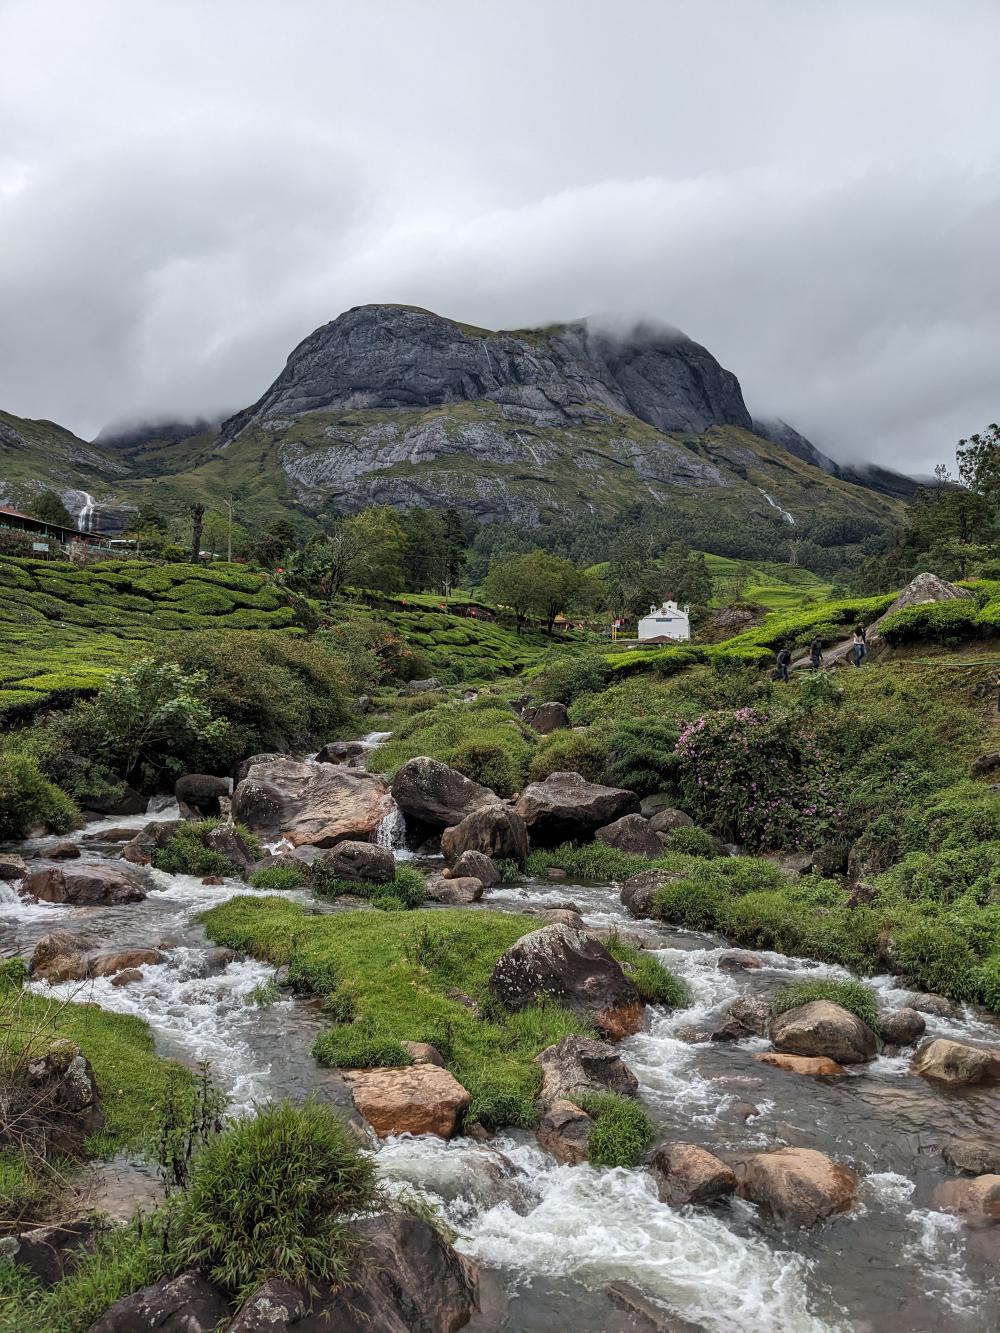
(689, 1174)
(340, 752)
(12, 866)
(937, 1005)
(548, 718)
(667, 819)
(564, 1130)
(64, 1097)
(639, 890)
(59, 956)
(565, 806)
(559, 916)
(318, 804)
(422, 686)
(356, 861)
(578, 1064)
(747, 1016)
(575, 970)
(128, 977)
(818, 1066)
(120, 960)
(954, 1063)
(103, 836)
(423, 1053)
(86, 885)
(51, 1253)
(431, 792)
(925, 588)
(63, 851)
(902, 1027)
(644, 1315)
(660, 800)
(200, 793)
(798, 1186)
(738, 960)
(973, 1155)
(455, 892)
(139, 851)
(228, 842)
(493, 830)
(478, 866)
(985, 764)
(184, 1304)
(416, 1099)
(243, 769)
(631, 834)
(977, 1199)
(824, 1028)
(276, 1307)
(119, 804)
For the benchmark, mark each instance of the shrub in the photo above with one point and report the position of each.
(570, 675)
(687, 903)
(691, 841)
(937, 957)
(488, 763)
(566, 751)
(622, 1129)
(271, 1198)
(850, 995)
(13, 973)
(28, 799)
(485, 736)
(642, 756)
(278, 878)
(407, 888)
(187, 854)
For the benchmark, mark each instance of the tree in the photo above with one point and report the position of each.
(365, 550)
(541, 583)
(49, 508)
(979, 464)
(197, 523)
(270, 546)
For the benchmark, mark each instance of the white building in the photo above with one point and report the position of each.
(668, 621)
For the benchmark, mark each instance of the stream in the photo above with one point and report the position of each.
(556, 1234)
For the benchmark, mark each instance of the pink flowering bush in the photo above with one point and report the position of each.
(756, 779)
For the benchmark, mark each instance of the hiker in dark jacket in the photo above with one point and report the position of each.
(784, 662)
(816, 653)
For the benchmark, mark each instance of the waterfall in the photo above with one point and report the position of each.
(774, 505)
(391, 832)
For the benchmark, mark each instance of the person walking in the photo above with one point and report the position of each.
(784, 662)
(816, 653)
(860, 645)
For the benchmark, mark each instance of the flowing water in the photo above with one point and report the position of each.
(557, 1234)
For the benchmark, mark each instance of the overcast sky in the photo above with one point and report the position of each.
(812, 190)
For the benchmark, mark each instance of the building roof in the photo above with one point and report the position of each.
(41, 525)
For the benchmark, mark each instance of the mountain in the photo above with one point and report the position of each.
(882, 479)
(40, 455)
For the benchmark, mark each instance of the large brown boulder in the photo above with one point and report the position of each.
(86, 885)
(798, 1186)
(12, 866)
(955, 1064)
(201, 793)
(747, 1016)
(921, 591)
(122, 960)
(816, 1066)
(631, 834)
(689, 1174)
(416, 1099)
(315, 804)
(824, 1028)
(477, 865)
(977, 1199)
(564, 1131)
(565, 805)
(228, 842)
(573, 969)
(457, 891)
(902, 1027)
(341, 752)
(547, 718)
(667, 819)
(495, 830)
(431, 792)
(184, 1304)
(359, 861)
(59, 956)
(577, 1065)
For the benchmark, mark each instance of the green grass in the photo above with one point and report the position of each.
(654, 982)
(776, 586)
(851, 995)
(483, 739)
(622, 1129)
(406, 889)
(402, 970)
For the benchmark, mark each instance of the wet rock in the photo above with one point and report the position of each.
(89, 885)
(184, 1304)
(51, 1253)
(339, 752)
(109, 835)
(739, 960)
(902, 1027)
(417, 1099)
(645, 1316)
(745, 1017)
(478, 866)
(691, 1034)
(431, 792)
(493, 830)
(63, 851)
(973, 1155)
(954, 1063)
(639, 890)
(65, 1098)
(616, 934)
(818, 1066)
(318, 804)
(243, 769)
(356, 861)
(798, 1186)
(824, 1028)
(201, 793)
(937, 1005)
(454, 892)
(216, 960)
(575, 970)
(565, 805)
(128, 977)
(548, 718)
(120, 960)
(687, 1174)
(577, 1065)
(555, 873)
(831, 859)
(667, 819)
(279, 1305)
(12, 866)
(212, 880)
(118, 804)
(977, 1200)
(228, 842)
(631, 834)
(139, 851)
(59, 956)
(559, 916)
(423, 1053)
(746, 1111)
(564, 1130)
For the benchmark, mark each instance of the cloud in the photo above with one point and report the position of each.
(812, 192)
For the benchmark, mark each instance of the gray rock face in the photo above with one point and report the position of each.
(577, 1064)
(565, 805)
(477, 865)
(201, 792)
(631, 834)
(973, 1156)
(359, 861)
(386, 356)
(427, 790)
(63, 1098)
(184, 1304)
(903, 1026)
(547, 718)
